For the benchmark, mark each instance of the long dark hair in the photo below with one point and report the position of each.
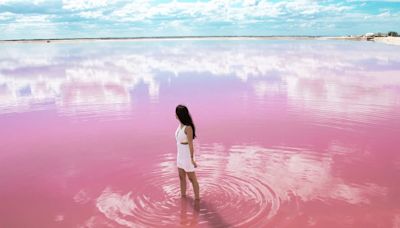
(184, 116)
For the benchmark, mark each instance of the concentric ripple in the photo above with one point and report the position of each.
(228, 198)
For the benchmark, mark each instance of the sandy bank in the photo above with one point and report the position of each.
(388, 40)
(355, 38)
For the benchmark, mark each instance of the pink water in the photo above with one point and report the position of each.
(290, 134)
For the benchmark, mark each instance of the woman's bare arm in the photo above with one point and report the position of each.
(189, 133)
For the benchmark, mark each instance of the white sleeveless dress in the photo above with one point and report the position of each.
(183, 159)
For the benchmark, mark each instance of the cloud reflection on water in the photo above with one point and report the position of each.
(101, 78)
(230, 177)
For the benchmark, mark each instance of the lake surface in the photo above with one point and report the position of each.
(290, 133)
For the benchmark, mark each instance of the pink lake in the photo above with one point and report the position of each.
(290, 133)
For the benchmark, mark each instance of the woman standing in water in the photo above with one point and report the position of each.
(184, 135)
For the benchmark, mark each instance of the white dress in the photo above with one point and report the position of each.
(183, 159)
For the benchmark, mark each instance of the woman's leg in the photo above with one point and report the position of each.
(182, 179)
(196, 188)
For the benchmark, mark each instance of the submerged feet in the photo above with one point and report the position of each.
(195, 198)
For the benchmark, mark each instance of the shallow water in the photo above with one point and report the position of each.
(290, 133)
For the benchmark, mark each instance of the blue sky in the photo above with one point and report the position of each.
(121, 18)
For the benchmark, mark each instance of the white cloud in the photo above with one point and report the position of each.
(6, 1)
(220, 10)
(37, 2)
(222, 17)
(373, 0)
(85, 4)
(34, 2)
(39, 26)
(134, 11)
(7, 16)
(32, 19)
(384, 14)
(91, 14)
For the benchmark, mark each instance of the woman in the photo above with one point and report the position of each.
(185, 134)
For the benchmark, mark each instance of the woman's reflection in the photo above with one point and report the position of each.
(189, 218)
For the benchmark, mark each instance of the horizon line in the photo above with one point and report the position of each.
(171, 37)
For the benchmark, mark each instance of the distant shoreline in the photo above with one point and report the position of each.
(161, 38)
(387, 40)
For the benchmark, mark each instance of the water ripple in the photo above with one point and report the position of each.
(157, 201)
(240, 186)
